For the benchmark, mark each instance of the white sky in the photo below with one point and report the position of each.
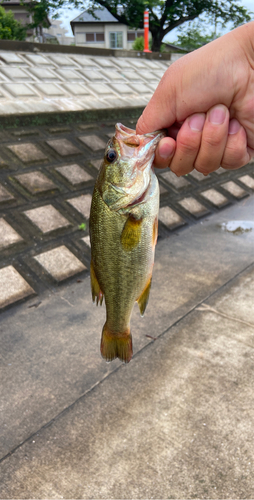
(68, 14)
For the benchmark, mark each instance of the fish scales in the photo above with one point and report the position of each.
(123, 231)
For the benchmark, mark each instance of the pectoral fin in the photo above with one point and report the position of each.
(144, 297)
(95, 287)
(131, 233)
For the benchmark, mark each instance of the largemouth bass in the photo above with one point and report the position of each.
(123, 232)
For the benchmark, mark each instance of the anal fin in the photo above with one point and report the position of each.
(144, 297)
(95, 287)
(131, 233)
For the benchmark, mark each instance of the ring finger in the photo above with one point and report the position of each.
(214, 140)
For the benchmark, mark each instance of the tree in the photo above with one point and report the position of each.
(194, 36)
(40, 11)
(166, 15)
(10, 29)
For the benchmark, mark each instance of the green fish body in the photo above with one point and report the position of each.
(123, 232)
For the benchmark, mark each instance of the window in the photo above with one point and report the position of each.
(131, 36)
(116, 40)
(95, 37)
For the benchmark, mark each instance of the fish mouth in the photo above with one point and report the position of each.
(142, 147)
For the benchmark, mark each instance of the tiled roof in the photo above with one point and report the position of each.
(102, 16)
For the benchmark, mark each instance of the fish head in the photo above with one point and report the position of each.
(125, 173)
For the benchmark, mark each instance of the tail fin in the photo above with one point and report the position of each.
(116, 346)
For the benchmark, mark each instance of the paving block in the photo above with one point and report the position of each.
(93, 142)
(104, 62)
(74, 174)
(84, 61)
(220, 171)
(198, 176)
(247, 180)
(122, 62)
(153, 86)
(11, 58)
(97, 163)
(19, 89)
(215, 197)
(152, 64)
(63, 147)
(234, 189)
(86, 240)
(132, 76)
(69, 74)
(5, 195)
(12, 286)
(170, 218)
(43, 73)
(28, 152)
(113, 75)
(93, 75)
(8, 236)
(47, 218)
(100, 88)
(61, 60)
(123, 88)
(35, 182)
(76, 89)
(141, 88)
(137, 63)
(159, 73)
(15, 73)
(37, 59)
(193, 206)
(2, 162)
(162, 189)
(60, 263)
(82, 204)
(149, 76)
(50, 89)
(176, 182)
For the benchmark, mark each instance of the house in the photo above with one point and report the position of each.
(103, 31)
(58, 32)
(22, 15)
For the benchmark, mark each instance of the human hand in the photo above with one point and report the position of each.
(206, 101)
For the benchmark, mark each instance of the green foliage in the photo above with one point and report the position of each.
(10, 29)
(82, 227)
(40, 11)
(193, 36)
(164, 16)
(138, 44)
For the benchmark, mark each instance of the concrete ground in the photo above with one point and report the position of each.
(177, 422)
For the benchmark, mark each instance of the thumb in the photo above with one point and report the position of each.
(193, 84)
(157, 114)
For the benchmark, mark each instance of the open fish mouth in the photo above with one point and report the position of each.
(143, 146)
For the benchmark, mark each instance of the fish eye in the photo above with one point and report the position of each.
(111, 155)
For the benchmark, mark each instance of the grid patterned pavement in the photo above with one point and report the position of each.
(46, 182)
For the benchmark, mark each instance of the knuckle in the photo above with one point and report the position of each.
(212, 141)
(187, 148)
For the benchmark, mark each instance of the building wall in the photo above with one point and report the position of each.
(80, 31)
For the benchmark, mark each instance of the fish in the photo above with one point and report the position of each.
(123, 233)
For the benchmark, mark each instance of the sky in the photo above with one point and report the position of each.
(67, 15)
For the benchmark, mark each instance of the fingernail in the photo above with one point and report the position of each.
(166, 150)
(196, 122)
(217, 115)
(234, 126)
